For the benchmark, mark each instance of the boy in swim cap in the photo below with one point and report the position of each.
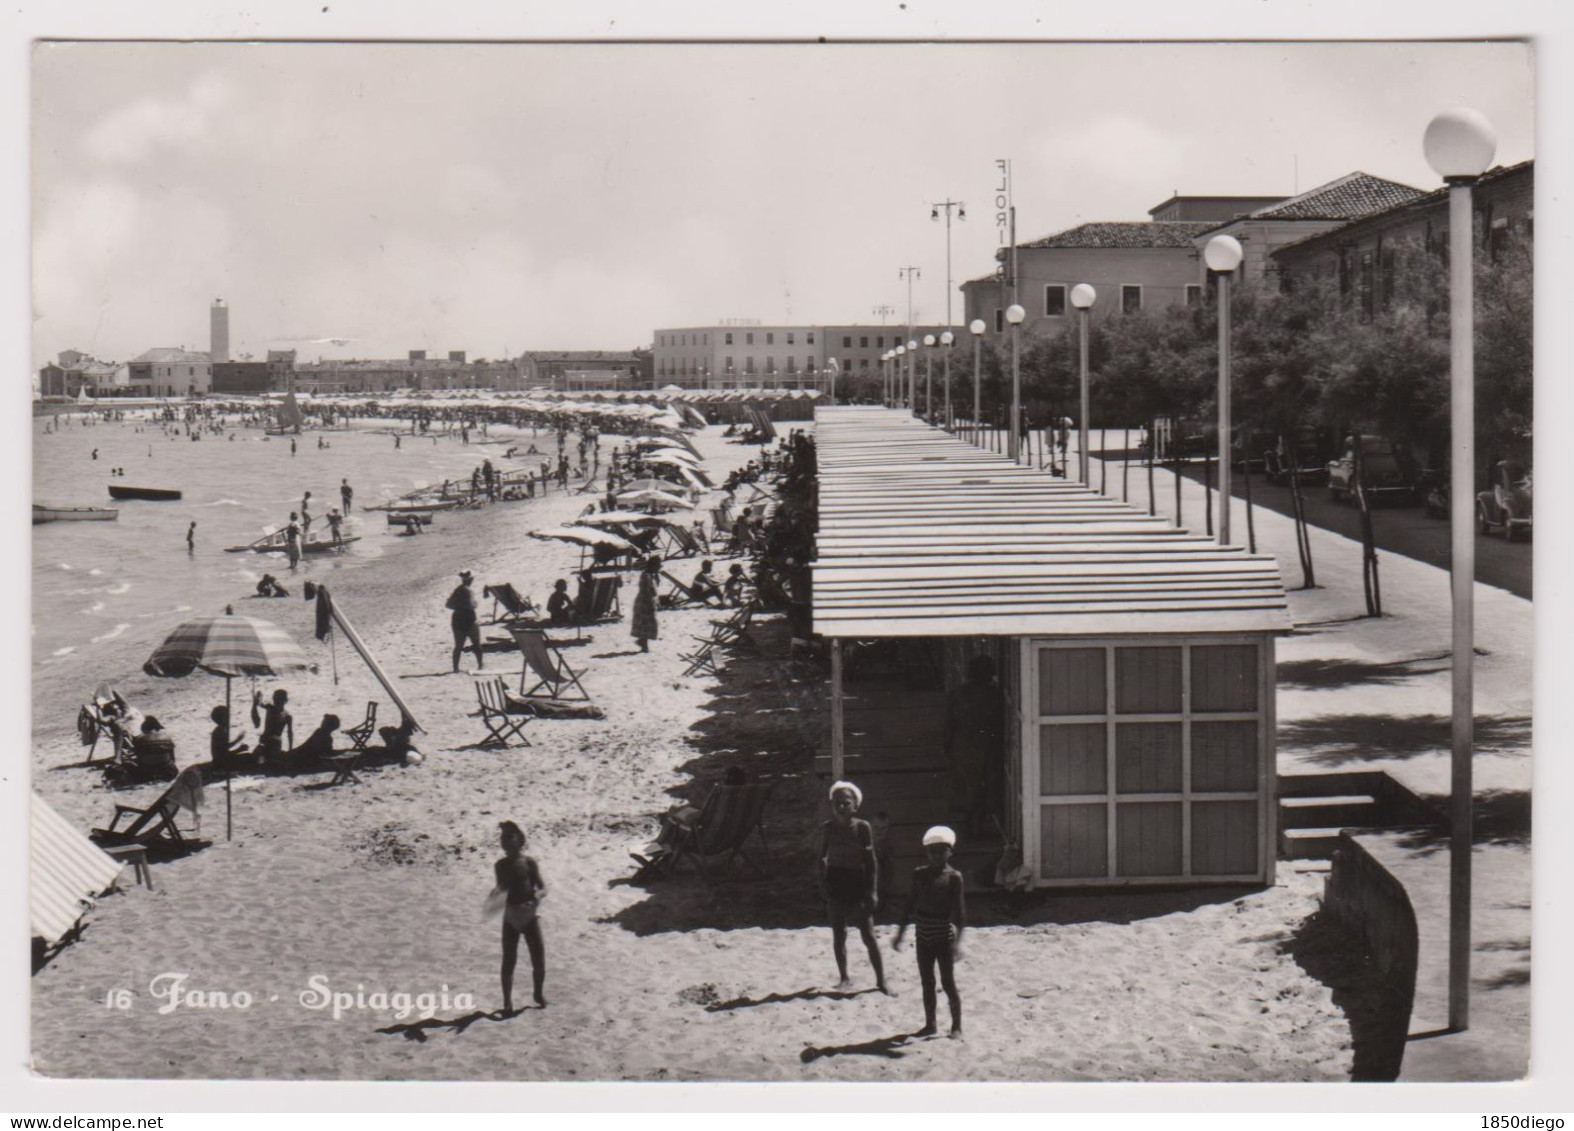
(936, 909)
(850, 879)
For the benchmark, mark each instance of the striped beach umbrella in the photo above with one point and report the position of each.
(227, 646)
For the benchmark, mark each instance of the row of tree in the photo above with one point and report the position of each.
(1313, 358)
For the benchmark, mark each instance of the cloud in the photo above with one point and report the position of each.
(139, 129)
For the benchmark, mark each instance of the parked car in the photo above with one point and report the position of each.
(1305, 454)
(1387, 473)
(1507, 503)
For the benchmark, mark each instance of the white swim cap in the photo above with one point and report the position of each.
(940, 834)
(858, 794)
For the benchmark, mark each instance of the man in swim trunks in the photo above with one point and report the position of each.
(850, 880)
(936, 909)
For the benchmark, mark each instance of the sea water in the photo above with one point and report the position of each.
(105, 594)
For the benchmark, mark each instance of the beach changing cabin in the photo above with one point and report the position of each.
(1133, 662)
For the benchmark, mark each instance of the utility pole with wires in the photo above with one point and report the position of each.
(911, 273)
(883, 311)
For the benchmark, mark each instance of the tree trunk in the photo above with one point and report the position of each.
(1303, 541)
(1251, 525)
(1125, 465)
(1153, 509)
(1207, 492)
(1369, 578)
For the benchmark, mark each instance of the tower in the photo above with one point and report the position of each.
(219, 331)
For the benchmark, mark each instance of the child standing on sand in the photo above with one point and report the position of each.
(850, 879)
(517, 895)
(935, 907)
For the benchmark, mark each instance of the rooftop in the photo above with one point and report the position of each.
(1351, 197)
(922, 534)
(1124, 234)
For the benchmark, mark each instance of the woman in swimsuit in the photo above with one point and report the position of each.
(850, 879)
(518, 894)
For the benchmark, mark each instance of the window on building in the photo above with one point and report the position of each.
(728, 339)
(863, 363)
(748, 339)
(809, 338)
(748, 364)
(879, 342)
(808, 364)
(792, 365)
(1000, 321)
(847, 341)
(1193, 294)
(1130, 298)
(1055, 300)
(729, 360)
(863, 341)
(1367, 280)
(1148, 759)
(789, 337)
(770, 365)
(1497, 238)
(770, 339)
(1389, 259)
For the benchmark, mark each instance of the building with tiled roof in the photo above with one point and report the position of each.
(1124, 234)
(1265, 230)
(1363, 254)
(171, 371)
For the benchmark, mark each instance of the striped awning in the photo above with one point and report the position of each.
(66, 871)
(923, 534)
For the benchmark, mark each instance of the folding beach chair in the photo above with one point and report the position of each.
(680, 542)
(598, 601)
(702, 658)
(681, 594)
(735, 628)
(501, 723)
(509, 600)
(732, 815)
(154, 826)
(547, 664)
(362, 732)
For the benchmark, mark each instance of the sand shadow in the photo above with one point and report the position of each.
(1377, 1011)
(1501, 816)
(1518, 976)
(888, 1047)
(1117, 907)
(1340, 740)
(616, 655)
(417, 1030)
(1320, 674)
(813, 993)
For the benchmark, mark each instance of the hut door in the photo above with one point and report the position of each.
(1145, 760)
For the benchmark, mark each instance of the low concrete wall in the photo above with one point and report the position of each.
(1365, 897)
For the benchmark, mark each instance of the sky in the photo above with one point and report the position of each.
(504, 197)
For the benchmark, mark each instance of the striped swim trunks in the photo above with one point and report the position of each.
(934, 932)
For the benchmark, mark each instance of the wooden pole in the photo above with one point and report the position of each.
(838, 749)
(229, 810)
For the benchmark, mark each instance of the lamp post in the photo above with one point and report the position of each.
(912, 374)
(976, 327)
(831, 370)
(929, 373)
(947, 339)
(1223, 255)
(1082, 297)
(885, 377)
(1459, 145)
(1014, 315)
(901, 377)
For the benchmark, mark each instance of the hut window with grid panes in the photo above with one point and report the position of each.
(1149, 760)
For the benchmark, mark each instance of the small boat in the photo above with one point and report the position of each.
(401, 507)
(156, 494)
(43, 513)
(274, 544)
(404, 518)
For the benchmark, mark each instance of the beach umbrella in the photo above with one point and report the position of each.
(228, 646)
(671, 456)
(649, 498)
(634, 485)
(616, 518)
(586, 537)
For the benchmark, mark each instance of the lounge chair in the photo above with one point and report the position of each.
(735, 628)
(155, 827)
(731, 816)
(93, 724)
(680, 542)
(682, 594)
(501, 723)
(363, 732)
(702, 658)
(547, 664)
(508, 599)
(598, 601)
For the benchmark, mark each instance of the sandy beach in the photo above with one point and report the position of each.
(379, 887)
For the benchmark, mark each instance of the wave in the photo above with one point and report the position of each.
(118, 590)
(110, 635)
(64, 651)
(67, 565)
(95, 607)
(221, 503)
(95, 573)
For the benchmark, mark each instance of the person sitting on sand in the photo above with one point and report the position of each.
(149, 758)
(935, 907)
(224, 749)
(318, 745)
(679, 823)
(560, 606)
(849, 878)
(733, 589)
(396, 739)
(269, 587)
(518, 895)
(276, 723)
(704, 587)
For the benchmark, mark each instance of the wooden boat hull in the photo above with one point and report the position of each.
(412, 508)
(402, 518)
(73, 514)
(151, 494)
(312, 547)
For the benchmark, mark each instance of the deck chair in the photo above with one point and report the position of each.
(685, 594)
(599, 601)
(721, 521)
(509, 600)
(680, 542)
(702, 658)
(546, 663)
(155, 826)
(502, 725)
(731, 816)
(362, 732)
(735, 628)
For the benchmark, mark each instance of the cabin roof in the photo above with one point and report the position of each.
(923, 534)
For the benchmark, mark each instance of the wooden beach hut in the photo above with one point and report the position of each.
(1135, 663)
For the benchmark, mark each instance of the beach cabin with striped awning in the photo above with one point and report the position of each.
(1135, 663)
